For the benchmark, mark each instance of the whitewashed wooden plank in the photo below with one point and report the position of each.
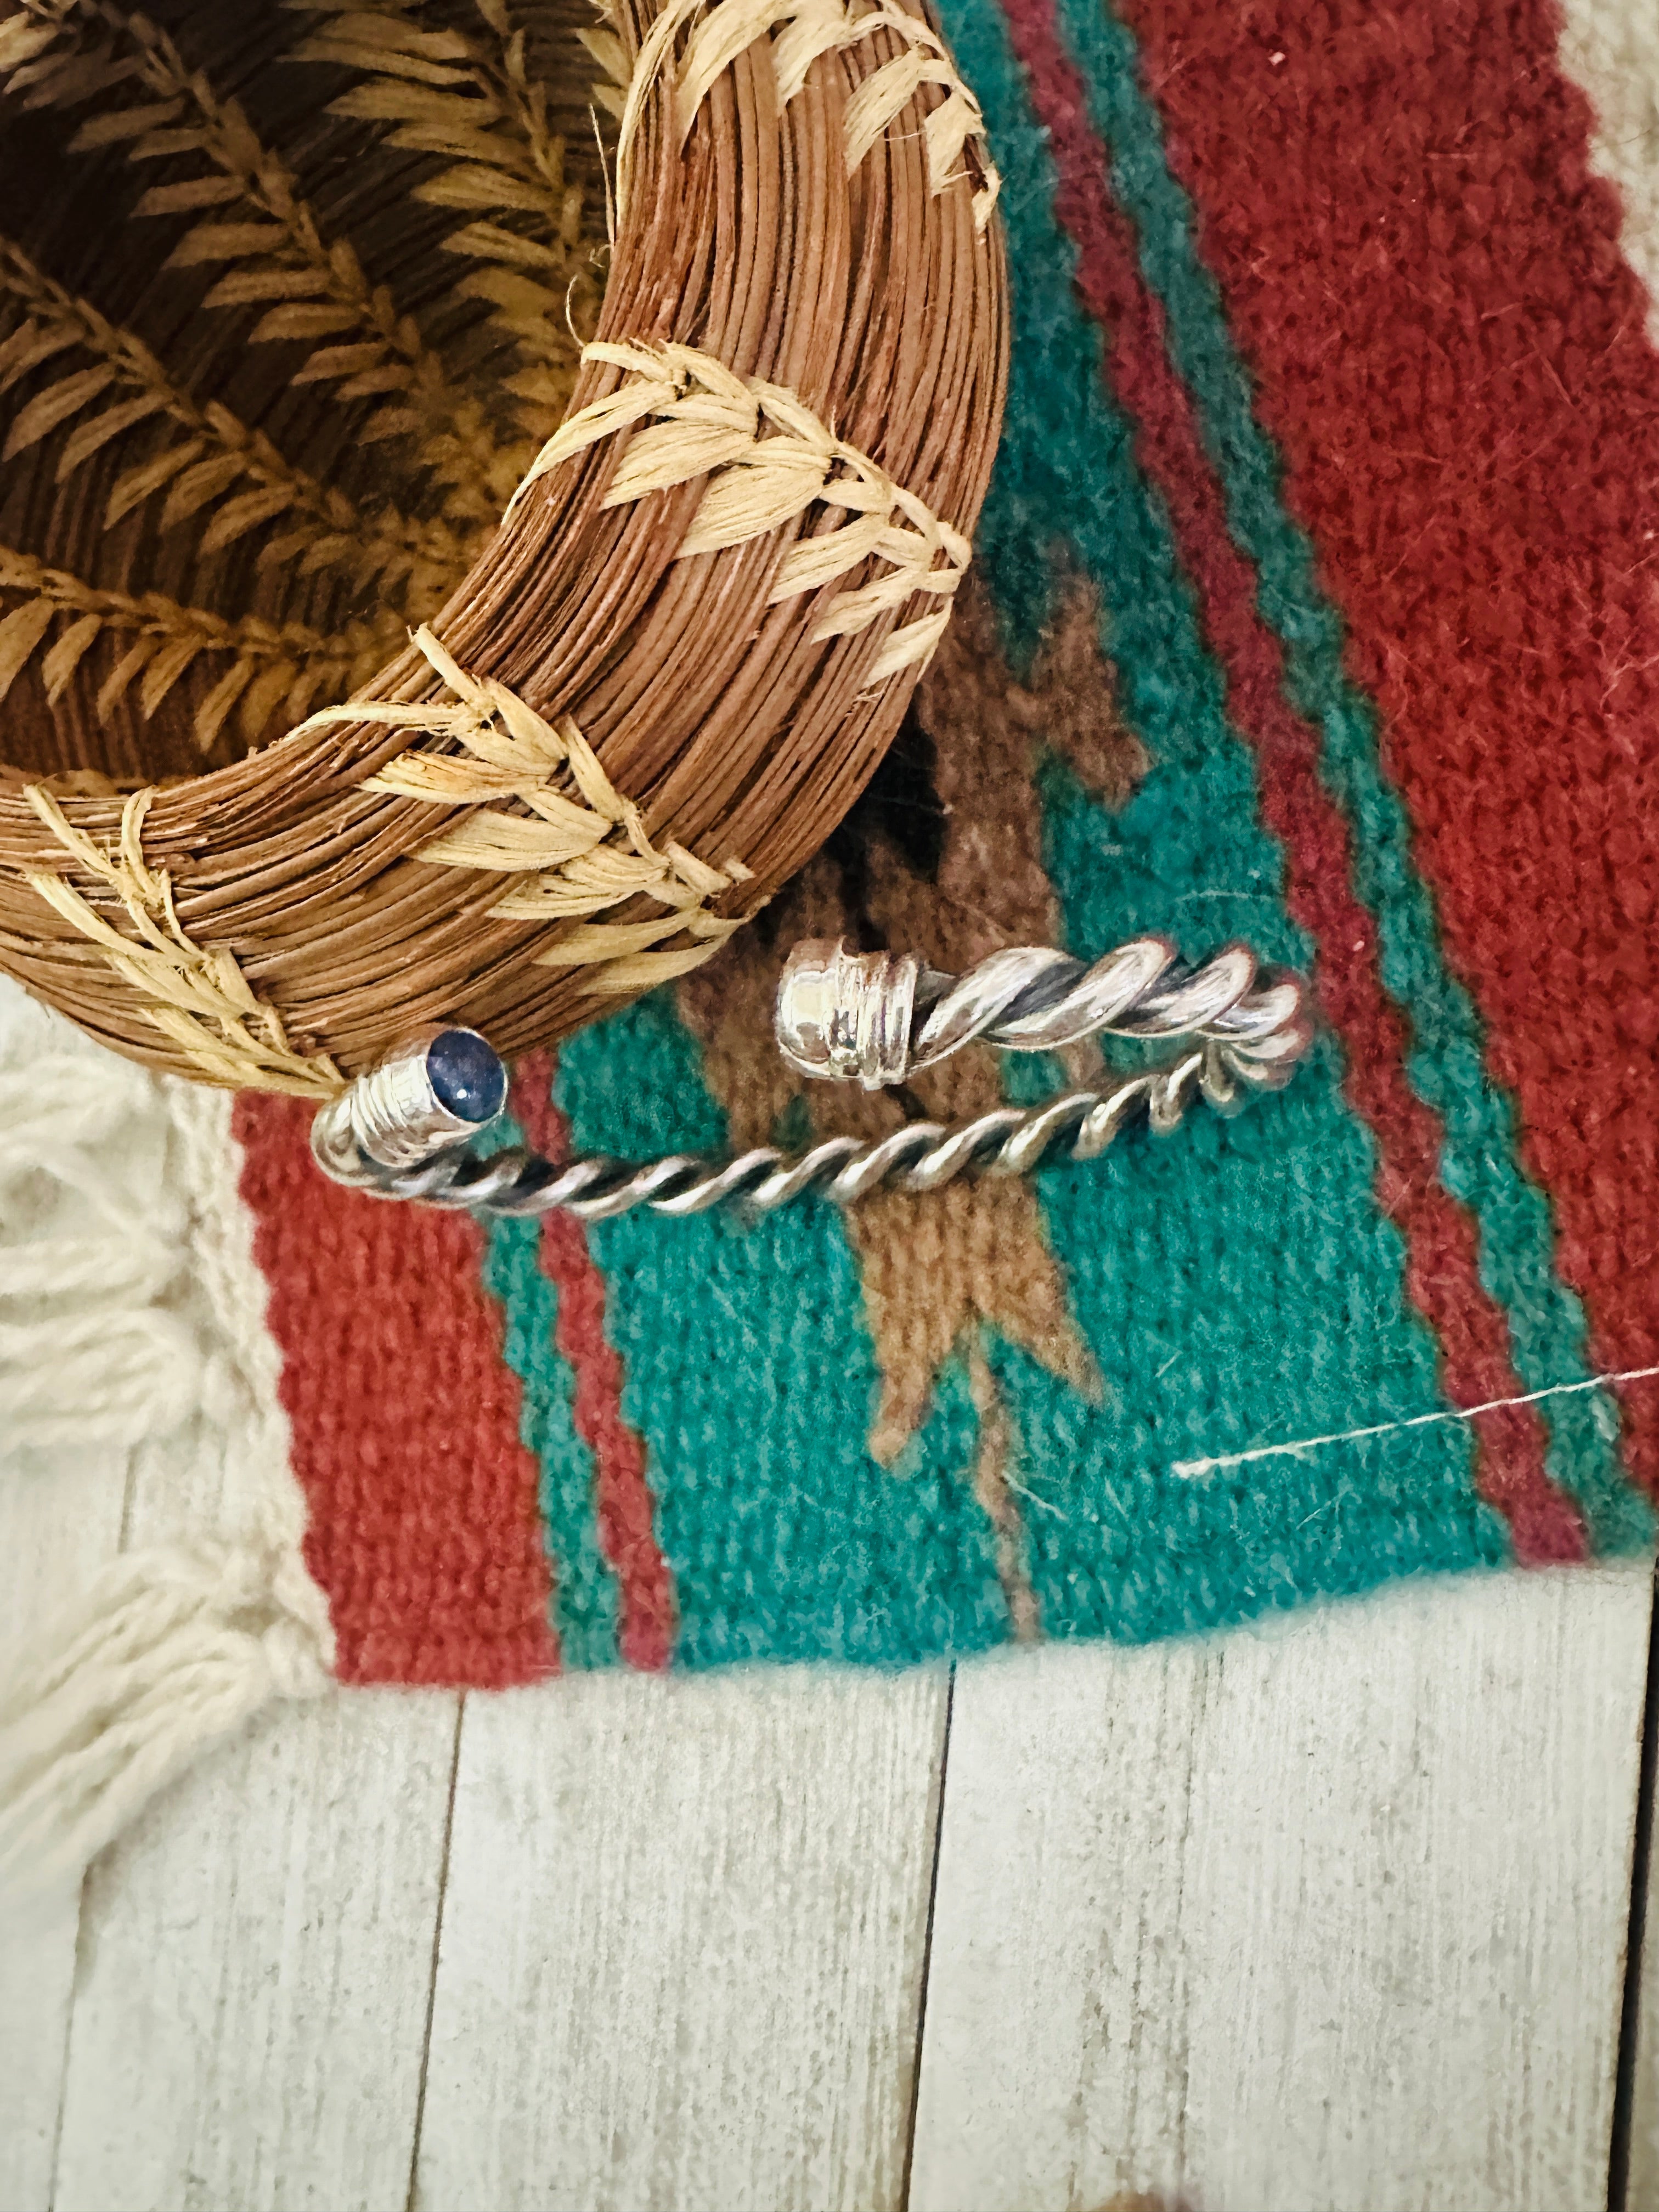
(1642, 2177)
(682, 1946)
(255, 1957)
(39, 1950)
(58, 1525)
(60, 1520)
(1330, 1919)
(256, 1971)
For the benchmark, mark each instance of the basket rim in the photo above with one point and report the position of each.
(642, 405)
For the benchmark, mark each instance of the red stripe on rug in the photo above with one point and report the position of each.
(1450, 355)
(623, 1506)
(1442, 1275)
(425, 1531)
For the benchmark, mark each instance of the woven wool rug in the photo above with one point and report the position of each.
(1317, 610)
(1315, 605)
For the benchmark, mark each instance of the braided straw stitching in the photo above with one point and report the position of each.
(201, 999)
(572, 859)
(816, 27)
(710, 421)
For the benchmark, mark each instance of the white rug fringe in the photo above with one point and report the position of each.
(133, 1314)
(103, 1364)
(110, 1376)
(168, 1652)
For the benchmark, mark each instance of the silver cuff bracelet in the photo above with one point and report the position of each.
(874, 1018)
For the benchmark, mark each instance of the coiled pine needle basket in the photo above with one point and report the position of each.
(451, 568)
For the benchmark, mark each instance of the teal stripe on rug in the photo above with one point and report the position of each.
(1237, 1282)
(751, 1376)
(1447, 1065)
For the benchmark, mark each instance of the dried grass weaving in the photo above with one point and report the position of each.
(665, 434)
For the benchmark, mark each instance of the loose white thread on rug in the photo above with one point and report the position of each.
(173, 1648)
(1191, 1467)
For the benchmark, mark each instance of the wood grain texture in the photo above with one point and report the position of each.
(681, 1959)
(256, 1963)
(1642, 2184)
(57, 1528)
(1329, 1917)
(1642, 2177)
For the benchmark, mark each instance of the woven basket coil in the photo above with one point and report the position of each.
(615, 467)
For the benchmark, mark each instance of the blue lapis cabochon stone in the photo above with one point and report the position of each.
(466, 1075)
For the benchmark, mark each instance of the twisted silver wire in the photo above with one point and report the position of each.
(1036, 999)
(876, 1017)
(516, 1184)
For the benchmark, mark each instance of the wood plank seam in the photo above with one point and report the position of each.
(1630, 2015)
(1276, 1919)
(76, 1975)
(943, 1768)
(437, 1940)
